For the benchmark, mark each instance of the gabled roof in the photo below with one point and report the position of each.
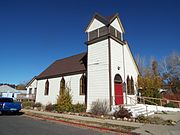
(6, 88)
(106, 20)
(29, 83)
(66, 66)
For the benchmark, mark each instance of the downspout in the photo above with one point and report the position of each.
(124, 84)
(110, 83)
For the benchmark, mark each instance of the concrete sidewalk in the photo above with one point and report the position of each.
(141, 128)
(150, 129)
(89, 119)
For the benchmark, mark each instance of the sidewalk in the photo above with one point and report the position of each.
(150, 129)
(141, 128)
(89, 119)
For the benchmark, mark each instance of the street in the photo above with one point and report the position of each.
(22, 125)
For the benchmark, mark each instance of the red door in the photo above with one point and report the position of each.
(118, 94)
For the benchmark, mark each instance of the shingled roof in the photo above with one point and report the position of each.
(67, 66)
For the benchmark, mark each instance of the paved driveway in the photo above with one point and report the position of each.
(22, 125)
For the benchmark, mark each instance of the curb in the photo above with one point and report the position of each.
(76, 124)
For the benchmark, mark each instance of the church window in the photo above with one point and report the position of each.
(46, 88)
(30, 90)
(128, 85)
(83, 85)
(132, 86)
(62, 85)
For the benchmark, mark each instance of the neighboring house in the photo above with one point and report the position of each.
(31, 89)
(7, 91)
(107, 71)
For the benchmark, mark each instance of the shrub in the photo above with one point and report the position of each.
(77, 108)
(27, 104)
(143, 119)
(122, 113)
(37, 104)
(100, 107)
(170, 104)
(64, 101)
(49, 107)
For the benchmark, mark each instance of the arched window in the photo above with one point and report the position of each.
(128, 85)
(117, 79)
(132, 86)
(62, 85)
(46, 88)
(83, 85)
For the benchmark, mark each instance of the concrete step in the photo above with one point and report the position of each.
(139, 109)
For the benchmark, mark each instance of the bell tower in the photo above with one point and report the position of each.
(105, 58)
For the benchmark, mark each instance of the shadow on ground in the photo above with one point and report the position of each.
(12, 113)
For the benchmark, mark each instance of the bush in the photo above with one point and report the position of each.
(170, 104)
(122, 113)
(143, 119)
(64, 101)
(27, 104)
(77, 108)
(50, 107)
(99, 107)
(37, 104)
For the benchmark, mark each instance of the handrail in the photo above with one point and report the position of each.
(132, 99)
(136, 101)
(144, 99)
(163, 99)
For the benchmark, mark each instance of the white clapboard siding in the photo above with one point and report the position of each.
(98, 72)
(116, 61)
(32, 86)
(72, 81)
(95, 24)
(116, 25)
(130, 65)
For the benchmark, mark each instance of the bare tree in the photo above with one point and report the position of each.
(170, 70)
(140, 63)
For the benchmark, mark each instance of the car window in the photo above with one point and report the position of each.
(6, 100)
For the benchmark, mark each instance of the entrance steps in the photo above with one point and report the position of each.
(145, 109)
(139, 109)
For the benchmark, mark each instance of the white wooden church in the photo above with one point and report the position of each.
(107, 71)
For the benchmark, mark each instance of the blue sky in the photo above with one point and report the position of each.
(34, 33)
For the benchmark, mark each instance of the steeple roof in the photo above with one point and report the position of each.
(106, 20)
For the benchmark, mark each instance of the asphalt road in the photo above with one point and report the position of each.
(22, 125)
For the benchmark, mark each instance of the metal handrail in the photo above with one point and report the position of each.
(136, 101)
(144, 99)
(160, 99)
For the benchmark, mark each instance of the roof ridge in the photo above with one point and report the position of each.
(109, 19)
(71, 56)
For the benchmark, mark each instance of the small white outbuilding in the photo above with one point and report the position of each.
(7, 91)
